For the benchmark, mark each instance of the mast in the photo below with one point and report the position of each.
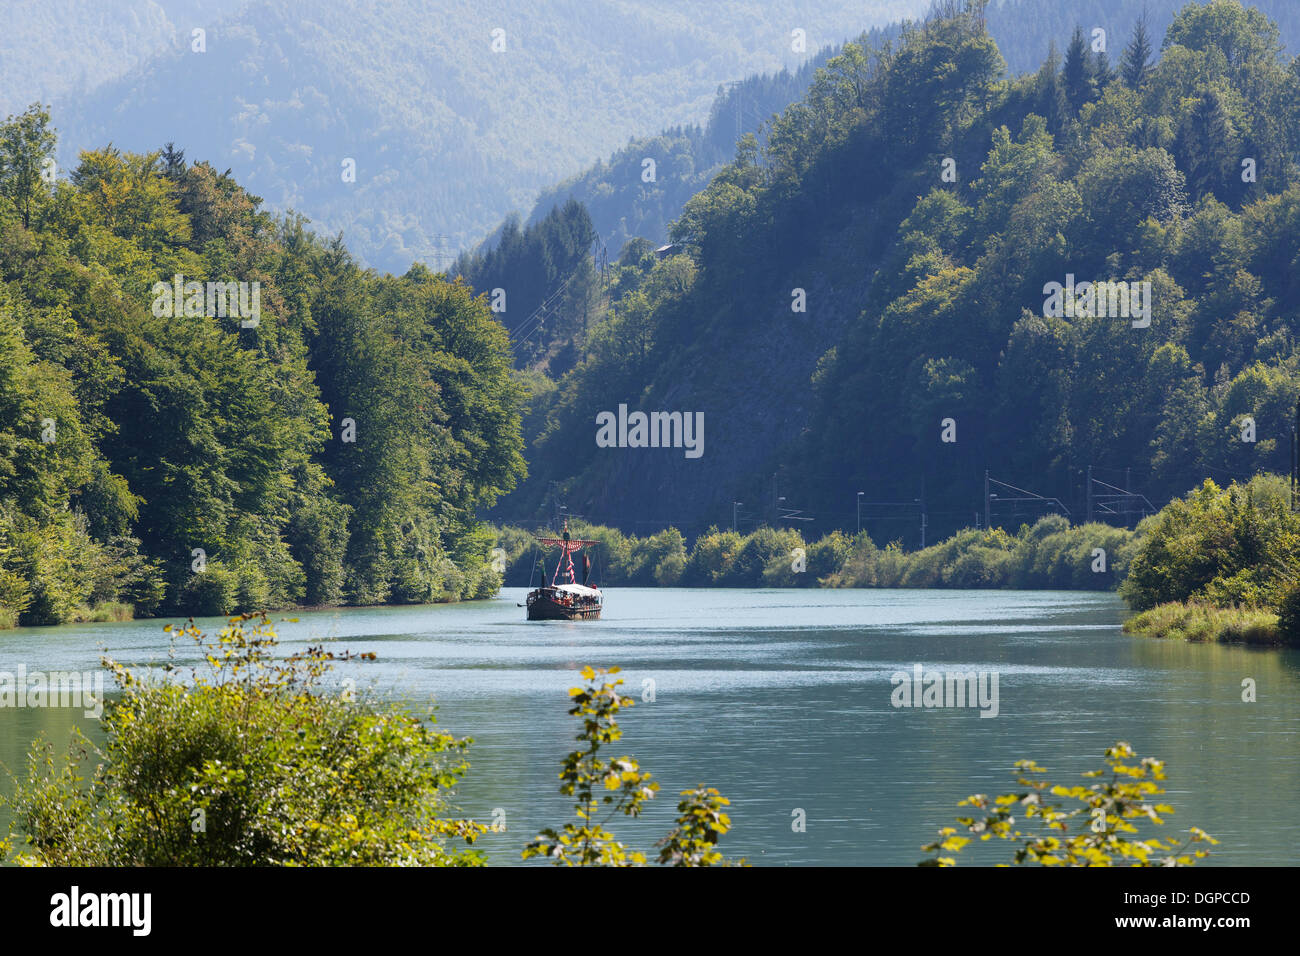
(568, 547)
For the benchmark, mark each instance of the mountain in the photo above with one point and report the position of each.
(622, 206)
(447, 135)
(52, 49)
(848, 320)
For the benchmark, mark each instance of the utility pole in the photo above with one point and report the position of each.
(734, 506)
(986, 499)
(859, 512)
(921, 501)
(1128, 502)
(1089, 490)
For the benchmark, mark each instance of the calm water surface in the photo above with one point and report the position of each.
(781, 700)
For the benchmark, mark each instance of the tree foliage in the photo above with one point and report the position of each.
(337, 449)
(603, 788)
(926, 297)
(1096, 825)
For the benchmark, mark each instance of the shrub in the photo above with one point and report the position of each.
(1228, 546)
(1106, 813)
(212, 592)
(251, 763)
(620, 786)
(711, 557)
(44, 582)
(668, 572)
(1288, 615)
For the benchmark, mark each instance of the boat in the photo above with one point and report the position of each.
(564, 599)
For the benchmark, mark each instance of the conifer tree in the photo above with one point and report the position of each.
(1077, 76)
(1135, 64)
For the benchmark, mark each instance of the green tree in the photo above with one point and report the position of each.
(1135, 64)
(1078, 76)
(27, 142)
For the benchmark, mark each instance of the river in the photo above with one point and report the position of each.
(782, 699)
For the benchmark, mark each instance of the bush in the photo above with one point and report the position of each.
(649, 554)
(53, 559)
(252, 763)
(253, 590)
(1288, 615)
(1225, 546)
(711, 557)
(619, 785)
(668, 572)
(15, 595)
(481, 583)
(746, 566)
(212, 592)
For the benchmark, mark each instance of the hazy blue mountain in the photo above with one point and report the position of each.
(58, 48)
(448, 136)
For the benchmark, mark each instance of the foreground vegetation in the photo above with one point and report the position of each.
(1094, 828)
(620, 786)
(254, 759)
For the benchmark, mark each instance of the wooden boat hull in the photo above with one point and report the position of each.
(544, 607)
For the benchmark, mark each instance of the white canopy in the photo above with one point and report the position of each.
(579, 589)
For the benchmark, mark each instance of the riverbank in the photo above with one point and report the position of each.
(1050, 554)
(1198, 622)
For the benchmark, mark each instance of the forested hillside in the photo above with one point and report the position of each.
(624, 206)
(1171, 162)
(542, 283)
(1025, 29)
(55, 48)
(312, 433)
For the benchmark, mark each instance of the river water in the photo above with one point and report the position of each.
(783, 700)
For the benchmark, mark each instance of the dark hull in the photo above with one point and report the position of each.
(542, 607)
